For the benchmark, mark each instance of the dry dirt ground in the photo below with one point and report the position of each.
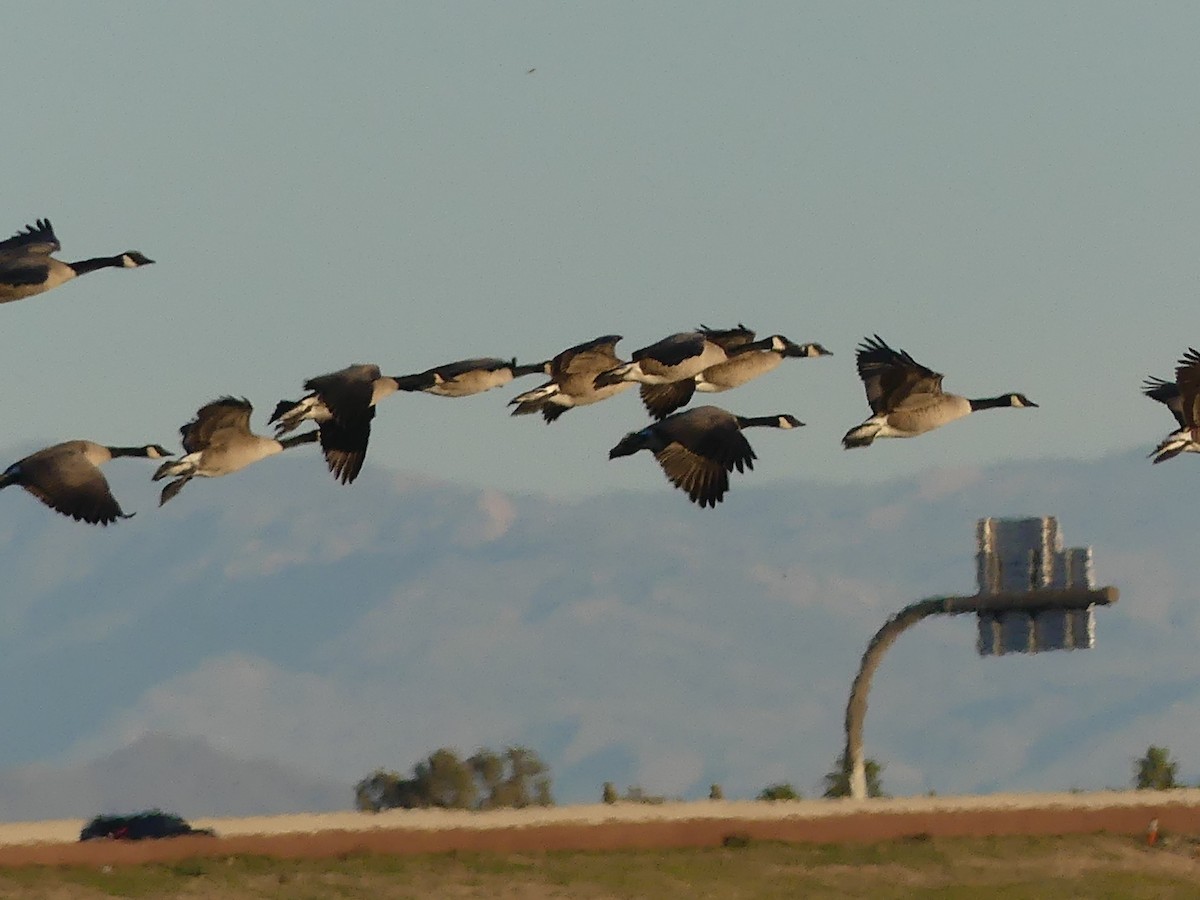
(622, 826)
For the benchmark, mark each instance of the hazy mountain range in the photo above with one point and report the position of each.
(629, 637)
(183, 774)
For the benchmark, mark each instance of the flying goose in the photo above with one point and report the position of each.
(699, 447)
(217, 442)
(745, 363)
(67, 478)
(677, 356)
(342, 404)
(572, 380)
(1180, 398)
(907, 399)
(27, 268)
(468, 376)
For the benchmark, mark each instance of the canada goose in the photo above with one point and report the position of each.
(1180, 398)
(572, 380)
(677, 356)
(67, 478)
(342, 403)
(699, 447)
(745, 363)
(217, 442)
(26, 267)
(468, 376)
(907, 399)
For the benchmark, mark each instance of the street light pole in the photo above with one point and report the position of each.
(1025, 601)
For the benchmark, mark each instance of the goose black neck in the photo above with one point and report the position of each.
(990, 402)
(531, 369)
(127, 451)
(757, 421)
(100, 262)
(767, 343)
(307, 438)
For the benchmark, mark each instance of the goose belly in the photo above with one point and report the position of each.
(471, 383)
(736, 372)
(659, 374)
(877, 427)
(914, 420)
(593, 394)
(20, 291)
(887, 430)
(218, 461)
(35, 278)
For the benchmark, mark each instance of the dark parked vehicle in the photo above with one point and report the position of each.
(150, 824)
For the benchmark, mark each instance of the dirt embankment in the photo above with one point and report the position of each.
(621, 826)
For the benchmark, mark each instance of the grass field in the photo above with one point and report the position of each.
(1093, 866)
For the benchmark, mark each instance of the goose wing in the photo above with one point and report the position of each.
(674, 349)
(728, 338)
(344, 438)
(703, 446)
(34, 240)
(588, 358)
(717, 436)
(20, 271)
(64, 479)
(704, 480)
(347, 393)
(890, 376)
(661, 400)
(1166, 393)
(225, 413)
(1187, 376)
(450, 371)
(344, 443)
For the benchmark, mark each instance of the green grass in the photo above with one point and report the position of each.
(1016, 868)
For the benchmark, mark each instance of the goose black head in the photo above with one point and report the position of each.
(131, 259)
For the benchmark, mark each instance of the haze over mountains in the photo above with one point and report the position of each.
(172, 773)
(628, 637)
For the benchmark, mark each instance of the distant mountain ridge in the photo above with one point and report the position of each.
(627, 637)
(186, 776)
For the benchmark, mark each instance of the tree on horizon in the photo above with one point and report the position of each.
(837, 781)
(1156, 771)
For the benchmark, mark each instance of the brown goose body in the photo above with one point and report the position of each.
(573, 380)
(699, 447)
(744, 364)
(218, 442)
(67, 478)
(28, 269)
(907, 399)
(1182, 398)
(342, 403)
(467, 377)
(676, 357)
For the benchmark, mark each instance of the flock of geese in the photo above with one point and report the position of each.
(697, 447)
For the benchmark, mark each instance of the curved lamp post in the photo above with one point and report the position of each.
(1031, 602)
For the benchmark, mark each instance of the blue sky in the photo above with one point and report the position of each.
(1007, 191)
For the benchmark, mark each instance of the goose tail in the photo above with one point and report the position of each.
(861, 435)
(173, 467)
(1179, 442)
